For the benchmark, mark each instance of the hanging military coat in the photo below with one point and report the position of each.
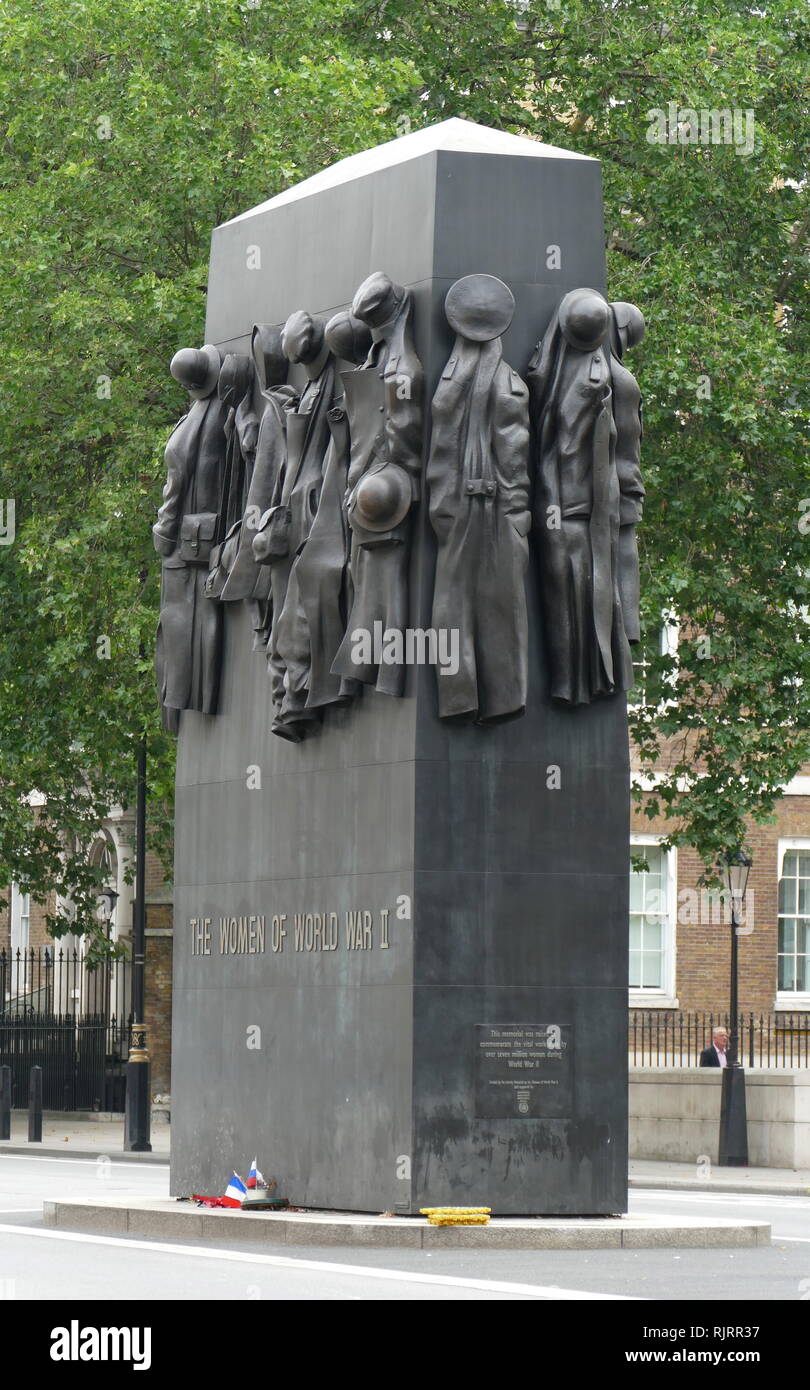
(627, 418)
(241, 433)
(322, 574)
(308, 439)
(383, 400)
(478, 502)
(576, 519)
(248, 579)
(189, 637)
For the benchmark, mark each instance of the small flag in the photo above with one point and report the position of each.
(255, 1178)
(234, 1192)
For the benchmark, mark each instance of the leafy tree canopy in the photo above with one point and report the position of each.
(129, 131)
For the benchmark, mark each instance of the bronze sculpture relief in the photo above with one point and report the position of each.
(241, 430)
(308, 438)
(321, 570)
(478, 481)
(383, 402)
(577, 508)
(299, 501)
(248, 578)
(189, 635)
(626, 330)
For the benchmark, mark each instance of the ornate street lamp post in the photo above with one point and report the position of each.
(733, 1147)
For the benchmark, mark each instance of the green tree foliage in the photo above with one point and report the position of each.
(711, 240)
(129, 131)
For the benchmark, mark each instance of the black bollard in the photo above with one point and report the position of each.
(138, 1117)
(35, 1106)
(5, 1102)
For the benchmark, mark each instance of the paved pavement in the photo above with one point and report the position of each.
(42, 1264)
(93, 1135)
(712, 1178)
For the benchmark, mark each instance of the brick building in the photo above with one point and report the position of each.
(679, 947)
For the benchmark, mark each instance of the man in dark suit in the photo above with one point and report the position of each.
(716, 1055)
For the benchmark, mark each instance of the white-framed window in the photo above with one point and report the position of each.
(20, 918)
(793, 925)
(20, 936)
(653, 921)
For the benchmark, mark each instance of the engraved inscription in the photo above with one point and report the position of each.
(524, 1071)
(357, 929)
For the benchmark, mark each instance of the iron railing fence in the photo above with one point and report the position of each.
(668, 1038)
(70, 1019)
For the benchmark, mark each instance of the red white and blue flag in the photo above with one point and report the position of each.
(255, 1178)
(234, 1192)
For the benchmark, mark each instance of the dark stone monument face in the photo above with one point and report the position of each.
(401, 944)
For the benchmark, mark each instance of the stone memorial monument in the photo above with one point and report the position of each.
(401, 879)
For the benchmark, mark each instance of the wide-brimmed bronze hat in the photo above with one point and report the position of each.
(381, 499)
(479, 307)
(197, 369)
(584, 317)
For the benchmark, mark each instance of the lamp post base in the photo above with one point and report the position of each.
(733, 1148)
(138, 1116)
(138, 1119)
